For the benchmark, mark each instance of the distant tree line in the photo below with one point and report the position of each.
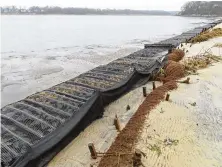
(77, 11)
(202, 8)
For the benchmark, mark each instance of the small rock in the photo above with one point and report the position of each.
(162, 111)
(127, 107)
(193, 104)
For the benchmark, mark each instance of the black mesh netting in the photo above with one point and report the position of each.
(35, 129)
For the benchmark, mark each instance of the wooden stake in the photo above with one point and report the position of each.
(117, 124)
(144, 91)
(154, 85)
(167, 97)
(188, 80)
(92, 150)
(169, 50)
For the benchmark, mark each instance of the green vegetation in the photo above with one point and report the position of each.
(155, 148)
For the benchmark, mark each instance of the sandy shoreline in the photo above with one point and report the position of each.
(193, 117)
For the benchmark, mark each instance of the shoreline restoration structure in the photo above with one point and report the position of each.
(36, 128)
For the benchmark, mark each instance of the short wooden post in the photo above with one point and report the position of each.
(137, 158)
(127, 107)
(170, 50)
(188, 80)
(167, 97)
(154, 85)
(92, 150)
(144, 91)
(117, 124)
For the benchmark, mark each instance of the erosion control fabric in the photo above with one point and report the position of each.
(36, 128)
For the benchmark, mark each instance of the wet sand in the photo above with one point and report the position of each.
(22, 76)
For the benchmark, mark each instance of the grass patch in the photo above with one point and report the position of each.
(156, 149)
(192, 64)
(219, 45)
(204, 36)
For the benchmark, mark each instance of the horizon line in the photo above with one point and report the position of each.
(25, 7)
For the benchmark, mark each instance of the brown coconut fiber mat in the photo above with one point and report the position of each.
(121, 153)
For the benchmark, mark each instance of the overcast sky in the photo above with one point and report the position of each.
(118, 4)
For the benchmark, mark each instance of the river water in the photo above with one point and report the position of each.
(38, 52)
